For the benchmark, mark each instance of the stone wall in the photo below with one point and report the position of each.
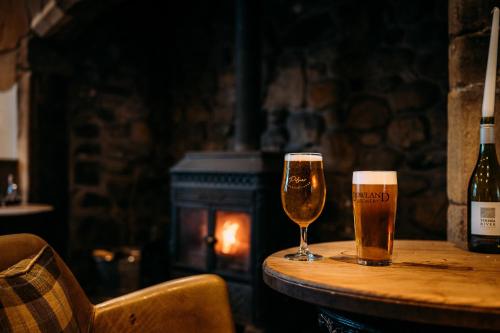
(469, 30)
(133, 104)
(363, 82)
(137, 105)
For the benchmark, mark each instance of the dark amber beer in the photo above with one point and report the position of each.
(303, 193)
(374, 197)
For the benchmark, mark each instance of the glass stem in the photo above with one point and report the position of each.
(303, 249)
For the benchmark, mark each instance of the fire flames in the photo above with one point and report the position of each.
(229, 241)
(232, 232)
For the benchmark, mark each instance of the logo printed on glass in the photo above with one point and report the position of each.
(487, 217)
(370, 197)
(296, 182)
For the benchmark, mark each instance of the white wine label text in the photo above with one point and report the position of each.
(485, 218)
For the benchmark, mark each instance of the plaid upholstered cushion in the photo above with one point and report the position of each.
(32, 297)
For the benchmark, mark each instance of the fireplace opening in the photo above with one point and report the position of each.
(232, 241)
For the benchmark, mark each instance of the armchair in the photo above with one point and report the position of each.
(193, 304)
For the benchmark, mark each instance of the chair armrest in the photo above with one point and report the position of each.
(194, 304)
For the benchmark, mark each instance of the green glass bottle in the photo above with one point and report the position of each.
(483, 200)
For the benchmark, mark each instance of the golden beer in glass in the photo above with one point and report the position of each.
(374, 198)
(303, 193)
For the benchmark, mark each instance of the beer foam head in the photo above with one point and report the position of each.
(307, 157)
(375, 177)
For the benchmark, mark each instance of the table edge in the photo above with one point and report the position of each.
(417, 311)
(25, 209)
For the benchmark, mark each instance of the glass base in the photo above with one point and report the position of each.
(368, 262)
(303, 256)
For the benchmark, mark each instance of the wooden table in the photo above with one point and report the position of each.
(24, 209)
(430, 282)
(29, 218)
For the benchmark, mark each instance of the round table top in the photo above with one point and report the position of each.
(24, 209)
(432, 282)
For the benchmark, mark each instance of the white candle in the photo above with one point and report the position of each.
(491, 69)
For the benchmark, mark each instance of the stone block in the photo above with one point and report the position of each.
(117, 166)
(223, 114)
(196, 112)
(88, 131)
(368, 113)
(430, 212)
(88, 149)
(274, 139)
(469, 15)
(391, 61)
(414, 96)
(410, 184)
(304, 129)
(406, 132)
(457, 225)
(379, 159)
(438, 122)
(94, 200)
(118, 130)
(428, 34)
(384, 83)
(316, 70)
(467, 59)
(354, 65)
(331, 118)
(321, 94)
(99, 231)
(286, 91)
(105, 114)
(371, 139)
(338, 151)
(434, 63)
(412, 12)
(87, 173)
(427, 159)
(140, 132)
(120, 192)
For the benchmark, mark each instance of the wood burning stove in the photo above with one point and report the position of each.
(226, 210)
(226, 218)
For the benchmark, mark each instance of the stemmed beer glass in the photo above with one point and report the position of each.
(303, 193)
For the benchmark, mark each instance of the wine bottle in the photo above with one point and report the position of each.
(483, 197)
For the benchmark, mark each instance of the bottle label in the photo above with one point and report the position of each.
(485, 218)
(487, 133)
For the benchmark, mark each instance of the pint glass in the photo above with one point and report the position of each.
(374, 198)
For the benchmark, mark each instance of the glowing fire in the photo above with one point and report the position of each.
(232, 235)
(229, 241)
